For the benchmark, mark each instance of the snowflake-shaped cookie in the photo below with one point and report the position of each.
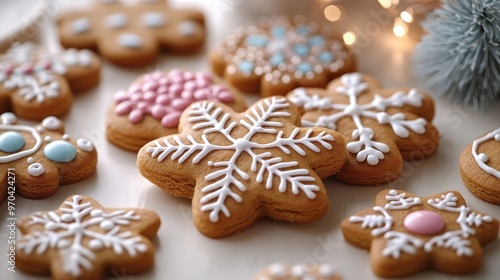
(36, 84)
(279, 54)
(381, 127)
(241, 167)
(406, 233)
(83, 240)
(281, 271)
(41, 157)
(153, 105)
(132, 34)
(480, 166)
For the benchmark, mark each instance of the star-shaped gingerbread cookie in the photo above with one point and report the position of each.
(406, 233)
(132, 34)
(36, 84)
(41, 157)
(381, 126)
(83, 240)
(240, 167)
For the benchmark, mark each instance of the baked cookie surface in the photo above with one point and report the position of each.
(240, 167)
(381, 126)
(132, 34)
(406, 234)
(152, 106)
(480, 166)
(278, 54)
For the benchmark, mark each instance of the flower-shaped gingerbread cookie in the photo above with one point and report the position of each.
(239, 167)
(280, 271)
(35, 84)
(132, 35)
(83, 240)
(381, 127)
(152, 106)
(279, 54)
(406, 233)
(41, 157)
(480, 167)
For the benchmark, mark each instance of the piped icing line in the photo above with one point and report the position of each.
(481, 159)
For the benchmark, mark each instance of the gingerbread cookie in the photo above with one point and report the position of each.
(152, 106)
(83, 240)
(381, 127)
(132, 35)
(280, 271)
(480, 167)
(406, 233)
(279, 54)
(41, 157)
(240, 167)
(35, 84)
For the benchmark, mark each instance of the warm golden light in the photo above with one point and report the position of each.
(349, 38)
(332, 13)
(385, 3)
(400, 29)
(407, 16)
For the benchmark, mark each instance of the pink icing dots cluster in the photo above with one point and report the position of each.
(164, 96)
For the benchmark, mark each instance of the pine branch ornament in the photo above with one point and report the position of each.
(459, 58)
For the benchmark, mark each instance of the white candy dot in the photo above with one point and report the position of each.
(326, 270)
(130, 40)
(80, 25)
(65, 137)
(210, 163)
(85, 145)
(8, 118)
(141, 248)
(48, 138)
(30, 160)
(298, 270)
(497, 137)
(116, 21)
(187, 28)
(483, 157)
(372, 160)
(51, 123)
(35, 169)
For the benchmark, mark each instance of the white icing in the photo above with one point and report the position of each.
(277, 270)
(115, 21)
(482, 159)
(153, 20)
(36, 169)
(80, 25)
(22, 153)
(8, 118)
(51, 123)
(47, 139)
(401, 242)
(365, 148)
(76, 57)
(211, 118)
(37, 87)
(66, 137)
(326, 270)
(66, 233)
(30, 160)
(187, 28)
(20, 53)
(85, 145)
(130, 40)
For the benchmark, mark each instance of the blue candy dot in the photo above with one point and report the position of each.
(60, 151)
(301, 49)
(278, 31)
(256, 40)
(277, 59)
(11, 141)
(304, 67)
(326, 57)
(246, 66)
(317, 40)
(302, 30)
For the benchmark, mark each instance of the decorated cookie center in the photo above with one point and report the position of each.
(164, 96)
(424, 222)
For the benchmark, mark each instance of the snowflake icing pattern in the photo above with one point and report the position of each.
(66, 232)
(481, 158)
(382, 223)
(31, 71)
(365, 147)
(209, 117)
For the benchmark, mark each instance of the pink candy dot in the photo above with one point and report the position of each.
(162, 99)
(150, 96)
(424, 222)
(123, 108)
(181, 104)
(225, 96)
(171, 119)
(201, 94)
(158, 111)
(135, 116)
(121, 96)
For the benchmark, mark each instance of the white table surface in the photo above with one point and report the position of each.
(181, 251)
